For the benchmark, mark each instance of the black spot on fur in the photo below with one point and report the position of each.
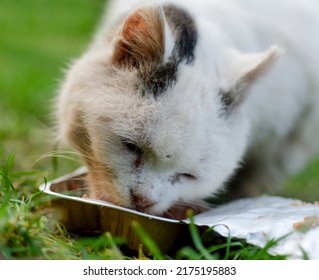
(226, 98)
(228, 102)
(155, 78)
(158, 78)
(183, 26)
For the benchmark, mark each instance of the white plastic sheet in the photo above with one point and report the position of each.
(293, 223)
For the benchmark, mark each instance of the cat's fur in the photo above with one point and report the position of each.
(176, 99)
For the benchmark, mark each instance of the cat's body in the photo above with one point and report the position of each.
(171, 99)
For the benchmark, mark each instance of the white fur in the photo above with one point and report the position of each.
(235, 36)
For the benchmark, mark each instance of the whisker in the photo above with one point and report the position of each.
(72, 156)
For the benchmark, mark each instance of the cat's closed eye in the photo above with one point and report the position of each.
(131, 147)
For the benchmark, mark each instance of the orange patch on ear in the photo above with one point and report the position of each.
(141, 37)
(134, 25)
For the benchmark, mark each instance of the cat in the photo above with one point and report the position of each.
(177, 100)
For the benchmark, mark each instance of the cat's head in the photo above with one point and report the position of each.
(157, 120)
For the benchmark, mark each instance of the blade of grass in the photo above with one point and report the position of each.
(147, 241)
(196, 237)
(188, 253)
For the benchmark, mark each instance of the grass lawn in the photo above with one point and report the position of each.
(38, 40)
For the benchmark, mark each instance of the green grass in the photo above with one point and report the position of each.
(38, 40)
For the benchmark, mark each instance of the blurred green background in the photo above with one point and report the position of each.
(38, 39)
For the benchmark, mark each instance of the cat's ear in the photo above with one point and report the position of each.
(142, 37)
(239, 71)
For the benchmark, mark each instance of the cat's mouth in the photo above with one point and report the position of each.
(181, 211)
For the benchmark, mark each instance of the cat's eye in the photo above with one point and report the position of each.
(182, 176)
(133, 149)
(130, 146)
(188, 176)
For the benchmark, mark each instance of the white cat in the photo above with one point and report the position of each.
(175, 100)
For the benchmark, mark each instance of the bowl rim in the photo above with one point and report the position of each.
(47, 189)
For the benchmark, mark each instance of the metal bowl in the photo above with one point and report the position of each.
(90, 216)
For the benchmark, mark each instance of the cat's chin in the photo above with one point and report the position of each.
(182, 211)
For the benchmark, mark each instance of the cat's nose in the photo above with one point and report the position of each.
(141, 203)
